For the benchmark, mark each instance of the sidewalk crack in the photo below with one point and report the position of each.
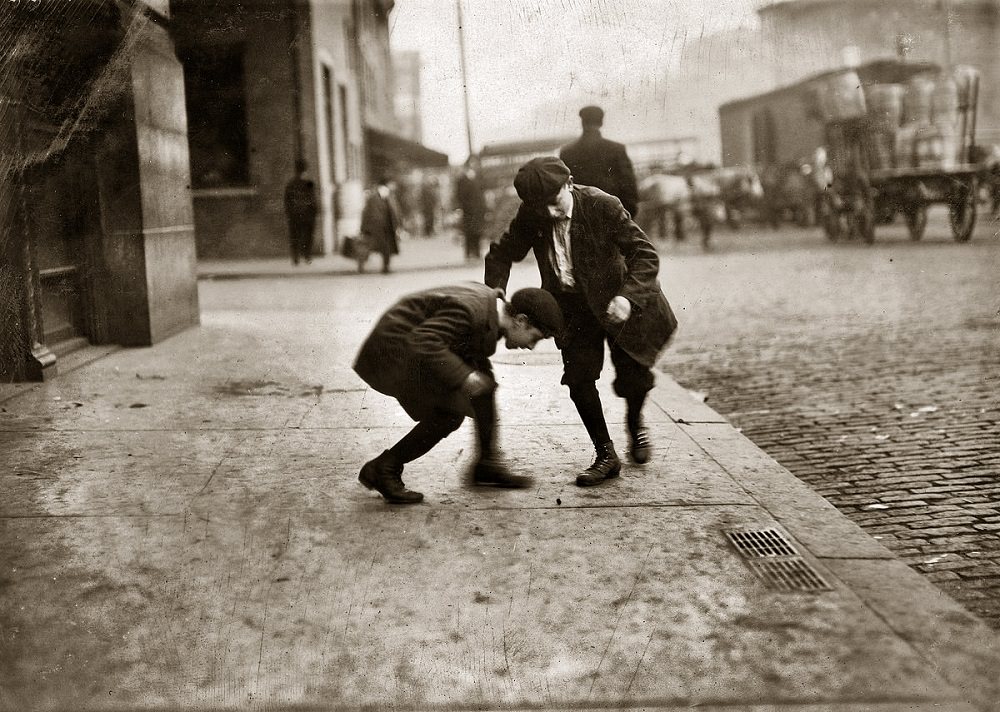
(226, 456)
(618, 618)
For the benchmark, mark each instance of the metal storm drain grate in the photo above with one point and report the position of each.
(759, 543)
(775, 560)
(792, 574)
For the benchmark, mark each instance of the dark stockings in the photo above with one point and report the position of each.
(485, 410)
(633, 417)
(425, 435)
(588, 405)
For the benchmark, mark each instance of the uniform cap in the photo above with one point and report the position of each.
(592, 115)
(540, 307)
(538, 180)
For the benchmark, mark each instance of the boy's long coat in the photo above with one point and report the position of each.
(423, 348)
(611, 257)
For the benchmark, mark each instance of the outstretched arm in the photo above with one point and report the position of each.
(512, 247)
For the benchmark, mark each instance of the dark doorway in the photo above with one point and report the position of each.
(64, 224)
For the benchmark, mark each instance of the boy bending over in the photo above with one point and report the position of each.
(431, 352)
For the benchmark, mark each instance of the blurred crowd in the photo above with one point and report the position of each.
(674, 202)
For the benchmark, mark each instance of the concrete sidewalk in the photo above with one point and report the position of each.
(182, 528)
(444, 249)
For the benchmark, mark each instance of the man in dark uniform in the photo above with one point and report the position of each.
(595, 161)
(602, 270)
(300, 211)
(471, 199)
(431, 352)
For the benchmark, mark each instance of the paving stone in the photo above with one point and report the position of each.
(817, 378)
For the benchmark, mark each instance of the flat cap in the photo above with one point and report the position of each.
(540, 179)
(541, 309)
(592, 115)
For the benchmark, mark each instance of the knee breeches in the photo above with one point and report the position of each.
(582, 349)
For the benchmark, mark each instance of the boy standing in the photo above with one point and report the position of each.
(603, 273)
(431, 351)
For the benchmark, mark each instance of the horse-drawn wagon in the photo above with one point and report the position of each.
(896, 144)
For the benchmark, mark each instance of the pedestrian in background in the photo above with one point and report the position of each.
(472, 201)
(430, 199)
(595, 161)
(602, 271)
(379, 225)
(300, 212)
(431, 352)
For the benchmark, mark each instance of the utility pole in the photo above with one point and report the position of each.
(465, 78)
(945, 6)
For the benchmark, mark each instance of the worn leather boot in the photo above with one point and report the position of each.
(605, 467)
(640, 446)
(493, 472)
(385, 475)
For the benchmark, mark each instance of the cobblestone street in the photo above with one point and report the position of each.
(870, 372)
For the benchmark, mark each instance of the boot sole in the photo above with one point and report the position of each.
(639, 460)
(388, 498)
(582, 482)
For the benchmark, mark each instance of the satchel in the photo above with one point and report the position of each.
(349, 248)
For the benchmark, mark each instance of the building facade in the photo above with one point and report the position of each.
(137, 136)
(96, 221)
(388, 149)
(406, 66)
(269, 83)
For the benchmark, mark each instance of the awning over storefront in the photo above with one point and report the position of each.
(387, 151)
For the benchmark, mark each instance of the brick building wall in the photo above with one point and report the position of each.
(240, 213)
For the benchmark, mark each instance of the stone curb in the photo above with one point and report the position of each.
(960, 646)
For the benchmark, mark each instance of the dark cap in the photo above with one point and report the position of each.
(592, 115)
(540, 307)
(539, 179)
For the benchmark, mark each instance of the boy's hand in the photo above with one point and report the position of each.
(619, 310)
(477, 383)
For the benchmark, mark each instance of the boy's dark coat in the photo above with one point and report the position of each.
(423, 348)
(611, 257)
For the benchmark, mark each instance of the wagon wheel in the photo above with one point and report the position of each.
(833, 226)
(863, 218)
(962, 213)
(916, 221)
